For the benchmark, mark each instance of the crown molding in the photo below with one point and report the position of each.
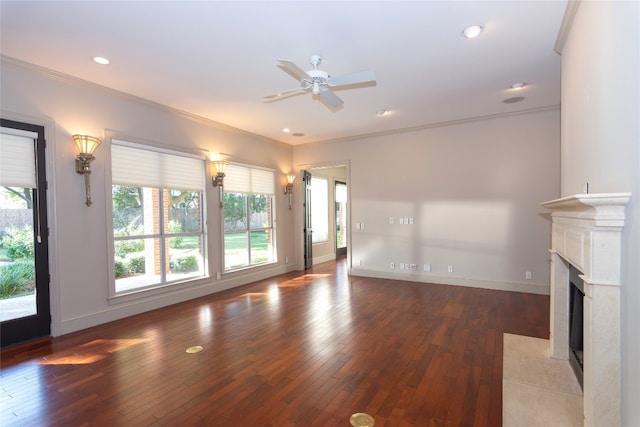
(565, 27)
(438, 125)
(77, 82)
(81, 83)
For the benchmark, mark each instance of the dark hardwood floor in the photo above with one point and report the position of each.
(303, 349)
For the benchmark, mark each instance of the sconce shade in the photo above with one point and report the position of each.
(220, 165)
(288, 189)
(86, 144)
(218, 179)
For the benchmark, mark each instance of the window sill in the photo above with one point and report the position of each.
(159, 289)
(256, 267)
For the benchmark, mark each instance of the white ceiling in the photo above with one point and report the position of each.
(217, 59)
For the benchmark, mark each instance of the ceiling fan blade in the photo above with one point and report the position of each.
(353, 78)
(293, 69)
(285, 93)
(330, 98)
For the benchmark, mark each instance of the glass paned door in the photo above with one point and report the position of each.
(341, 218)
(308, 231)
(24, 260)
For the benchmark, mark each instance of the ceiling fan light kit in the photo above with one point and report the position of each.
(320, 82)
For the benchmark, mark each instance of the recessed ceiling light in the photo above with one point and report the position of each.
(472, 31)
(517, 86)
(513, 100)
(383, 112)
(101, 60)
(286, 130)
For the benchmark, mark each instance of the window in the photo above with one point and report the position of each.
(319, 209)
(18, 180)
(248, 217)
(158, 232)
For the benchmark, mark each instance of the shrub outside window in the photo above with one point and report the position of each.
(158, 231)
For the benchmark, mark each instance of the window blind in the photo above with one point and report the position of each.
(17, 160)
(145, 167)
(245, 179)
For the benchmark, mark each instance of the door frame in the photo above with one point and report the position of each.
(299, 217)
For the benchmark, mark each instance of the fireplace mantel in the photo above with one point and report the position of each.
(586, 233)
(606, 210)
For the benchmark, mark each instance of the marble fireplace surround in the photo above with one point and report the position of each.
(586, 233)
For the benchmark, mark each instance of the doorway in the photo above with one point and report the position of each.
(325, 214)
(24, 254)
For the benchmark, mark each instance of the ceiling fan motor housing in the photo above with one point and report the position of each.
(319, 79)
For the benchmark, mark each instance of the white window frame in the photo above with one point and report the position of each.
(246, 180)
(185, 162)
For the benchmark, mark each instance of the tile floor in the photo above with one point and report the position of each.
(538, 390)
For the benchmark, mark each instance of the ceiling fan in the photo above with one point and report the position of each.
(320, 82)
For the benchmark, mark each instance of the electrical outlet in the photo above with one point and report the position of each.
(410, 221)
(392, 265)
(450, 269)
(391, 220)
(527, 275)
(413, 267)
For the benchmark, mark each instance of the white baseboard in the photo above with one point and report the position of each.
(527, 287)
(143, 303)
(323, 258)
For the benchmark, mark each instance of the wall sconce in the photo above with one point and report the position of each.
(288, 189)
(218, 179)
(86, 146)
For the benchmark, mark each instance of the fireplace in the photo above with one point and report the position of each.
(576, 327)
(586, 248)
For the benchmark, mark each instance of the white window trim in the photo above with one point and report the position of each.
(161, 288)
(273, 225)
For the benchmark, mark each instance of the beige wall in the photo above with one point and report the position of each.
(601, 145)
(473, 190)
(79, 242)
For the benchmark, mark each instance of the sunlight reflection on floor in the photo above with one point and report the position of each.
(89, 352)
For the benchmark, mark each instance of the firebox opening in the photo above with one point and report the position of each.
(576, 328)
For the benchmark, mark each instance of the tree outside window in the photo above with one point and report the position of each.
(158, 231)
